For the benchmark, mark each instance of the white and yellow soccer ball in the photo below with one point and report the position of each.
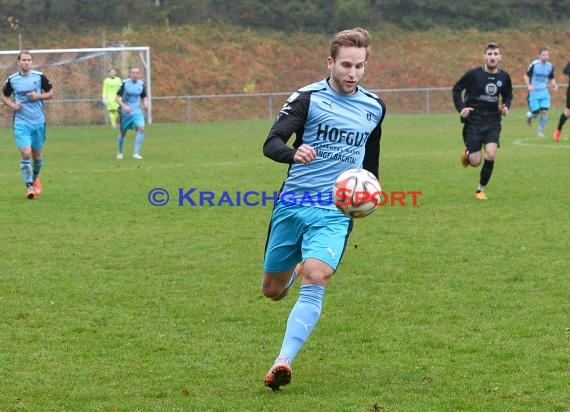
(357, 193)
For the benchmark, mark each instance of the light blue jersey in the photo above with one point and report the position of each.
(131, 93)
(340, 128)
(18, 85)
(540, 74)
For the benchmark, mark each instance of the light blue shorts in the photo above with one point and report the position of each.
(297, 233)
(33, 135)
(538, 101)
(131, 121)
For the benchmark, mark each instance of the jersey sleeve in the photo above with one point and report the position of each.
(507, 91)
(291, 119)
(457, 91)
(7, 89)
(121, 90)
(371, 161)
(104, 92)
(529, 70)
(46, 84)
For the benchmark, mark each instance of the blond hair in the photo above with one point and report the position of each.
(356, 37)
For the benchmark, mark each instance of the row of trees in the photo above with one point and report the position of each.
(290, 15)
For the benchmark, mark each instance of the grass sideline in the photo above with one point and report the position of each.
(108, 303)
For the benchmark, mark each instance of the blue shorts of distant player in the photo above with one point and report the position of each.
(538, 101)
(131, 121)
(27, 135)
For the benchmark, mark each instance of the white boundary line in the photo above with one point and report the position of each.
(529, 143)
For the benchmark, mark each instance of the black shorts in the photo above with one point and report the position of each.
(476, 135)
(568, 97)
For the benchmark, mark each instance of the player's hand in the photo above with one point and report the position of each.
(504, 110)
(465, 112)
(104, 101)
(33, 96)
(305, 154)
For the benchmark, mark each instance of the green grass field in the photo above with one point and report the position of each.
(108, 303)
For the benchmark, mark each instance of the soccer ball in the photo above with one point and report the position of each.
(357, 193)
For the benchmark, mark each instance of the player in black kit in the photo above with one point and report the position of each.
(488, 96)
(566, 113)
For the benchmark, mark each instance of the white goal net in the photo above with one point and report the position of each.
(77, 76)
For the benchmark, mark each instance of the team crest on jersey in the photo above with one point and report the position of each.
(491, 89)
(499, 83)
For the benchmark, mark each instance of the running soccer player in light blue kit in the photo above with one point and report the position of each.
(29, 89)
(132, 99)
(337, 124)
(537, 78)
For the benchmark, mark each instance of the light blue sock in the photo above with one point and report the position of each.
(26, 169)
(121, 141)
(302, 320)
(138, 142)
(36, 167)
(542, 122)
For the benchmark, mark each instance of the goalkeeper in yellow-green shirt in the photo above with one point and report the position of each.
(111, 85)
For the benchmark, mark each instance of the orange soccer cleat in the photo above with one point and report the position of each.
(465, 158)
(480, 196)
(38, 188)
(279, 375)
(30, 192)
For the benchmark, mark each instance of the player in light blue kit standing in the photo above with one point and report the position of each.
(29, 88)
(337, 124)
(537, 78)
(132, 99)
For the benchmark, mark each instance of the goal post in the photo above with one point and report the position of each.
(77, 76)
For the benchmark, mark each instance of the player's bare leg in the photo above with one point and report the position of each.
(276, 285)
